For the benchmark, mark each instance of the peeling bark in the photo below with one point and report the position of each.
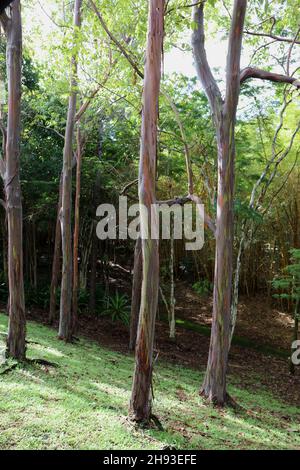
(65, 318)
(136, 293)
(224, 115)
(141, 402)
(16, 346)
(76, 231)
(56, 259)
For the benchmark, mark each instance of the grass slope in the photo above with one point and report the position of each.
(82, 404)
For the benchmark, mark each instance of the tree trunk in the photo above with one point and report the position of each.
(172, 283)
(224, 114)
(56, 259)
(34, 255)
(136, 293)
(4, 247)
(295, 333)
(93, 273)
(214, 386)
(76, 233)
(236, 283)
(140, 404)
(65, 319)
(86, 253)
(94, 249)
(16, 347)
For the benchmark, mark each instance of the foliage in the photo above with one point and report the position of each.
(203, 287)
(290, 282)
(117, 307)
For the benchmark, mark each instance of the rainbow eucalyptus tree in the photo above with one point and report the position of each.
(224, 110)
(10, 172)
(140, 404)
(65, 318)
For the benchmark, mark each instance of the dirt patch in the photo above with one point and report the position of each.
(257, 319)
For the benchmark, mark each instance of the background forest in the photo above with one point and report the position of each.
(104, 57)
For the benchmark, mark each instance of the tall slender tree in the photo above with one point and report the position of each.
(140, 404)
(65, 318)
(224, 118)
(76, 228)
(10, 172)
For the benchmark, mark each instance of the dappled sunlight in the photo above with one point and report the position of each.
(72, 406)
(112, 390)
(46, 350)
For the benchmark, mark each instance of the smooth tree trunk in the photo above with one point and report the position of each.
(224, 115)
(76, 231)
(172, 319)
(4, 247)
(94, 249)
(65, 317)
(295, 333)
(214, 387)
(136, 293)
(16, 346)
(93, 273)
(56, 260)
(141, 400)
(236, 283)
(34, 256)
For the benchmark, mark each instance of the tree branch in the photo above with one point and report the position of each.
(234, 54)
(88, 101)
(272, 36)
(188, 162)
(3, 204)
(196, 200)
(86, 104)
(252, 72)
(183, 6)
(203, 70)
(4, 19)
(128, 186)
(121, 48)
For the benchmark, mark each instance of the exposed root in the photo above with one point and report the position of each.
(157, 422)
(232, 403)
(227, 402)
(152, 422)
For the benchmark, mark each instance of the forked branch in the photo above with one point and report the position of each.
(253, 72)
(203, 69)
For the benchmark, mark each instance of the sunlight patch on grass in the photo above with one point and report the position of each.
(83, 404)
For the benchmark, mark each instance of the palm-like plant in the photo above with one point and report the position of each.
(117, 307)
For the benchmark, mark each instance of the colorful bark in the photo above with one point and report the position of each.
(140, 404)
(65, 318)
(136, 293)
(16, 346)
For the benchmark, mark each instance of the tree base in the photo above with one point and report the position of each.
(228, 401)
(147, 423)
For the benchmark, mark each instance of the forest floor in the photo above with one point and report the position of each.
(82, 402)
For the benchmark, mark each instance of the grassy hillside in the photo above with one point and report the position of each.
(82, 404)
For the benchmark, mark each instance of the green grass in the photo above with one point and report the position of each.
(82, 404)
